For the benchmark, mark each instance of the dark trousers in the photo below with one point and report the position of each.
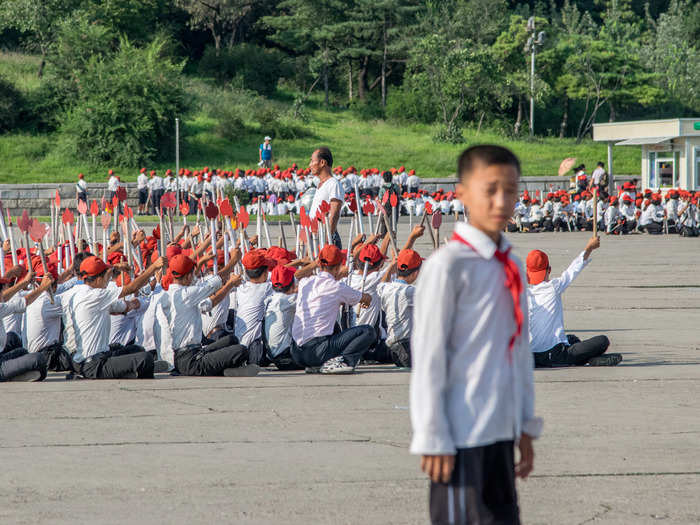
(400, 353)
(576, 353)
(481, 490)
(12, 341)
(122, 362)
(212, 359)
(285, 361)
(335, 239)
(256, 353)
(351, 344)
(654, 228)
(57, 359)
(18, 361)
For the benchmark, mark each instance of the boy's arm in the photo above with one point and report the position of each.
(576, 266)
(531, 426)
(433, 318)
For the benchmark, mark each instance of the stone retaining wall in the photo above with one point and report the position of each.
(35, 197)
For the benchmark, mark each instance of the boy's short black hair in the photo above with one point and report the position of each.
(78, 260)
(256, 273)
(283, 289)
(486, 154)
(387, 176)
(93, 278)
(324, 153)
(407, 271)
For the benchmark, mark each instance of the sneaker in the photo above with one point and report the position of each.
(161, 366)
(32, 375)
(242, 371)
(606, 360)
(312, 369)
(337, 366)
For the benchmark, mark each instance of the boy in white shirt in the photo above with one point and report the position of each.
(142, 186)
(17, 364)
(318, 346)
(250, 304)
(397, 304)
(280, 308)
(472, 392)
(548, 341)
(182, 304)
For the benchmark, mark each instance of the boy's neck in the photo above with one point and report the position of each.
(494, 236)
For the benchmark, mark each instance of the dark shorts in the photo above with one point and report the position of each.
(143, 196)
(482, 488)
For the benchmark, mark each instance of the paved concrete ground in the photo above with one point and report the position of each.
(620, 444)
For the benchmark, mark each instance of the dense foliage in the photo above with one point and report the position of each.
(112, 72)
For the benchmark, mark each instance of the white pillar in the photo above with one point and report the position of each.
(611, 182)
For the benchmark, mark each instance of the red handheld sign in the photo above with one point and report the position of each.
(24, 222)
(57, 200)
(184, 208)
(394, 200)
(211, 211)
(428, 208)
(68, 217)
(225, 208)
(385, 197)
(82, 207)
(368, 208)
(37, 230)
(325, 207)
(94, 208)
(437, 219)
(121, 193)
(106, 221)
(243, 217)
(168, 200)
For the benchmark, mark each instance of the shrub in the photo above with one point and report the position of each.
(12, 106)
(410, 103)
(258, 68)
(126, 107)
(451, 133)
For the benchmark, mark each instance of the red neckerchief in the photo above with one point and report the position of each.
(514, 285)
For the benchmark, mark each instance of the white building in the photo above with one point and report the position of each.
(670, 149)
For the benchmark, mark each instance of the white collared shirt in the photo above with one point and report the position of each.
(43, 322)
(16, 305)
(330, 190)
(279, 317)
(546, 319)
(318, 301)
(465, 390)
(142, 181)
(183, 305)
(250, 310)
(397, 303)
(91, 309)
(113, 183)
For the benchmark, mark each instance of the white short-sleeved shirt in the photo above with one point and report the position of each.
(92, 308)
(16, 305)
(43, 322)
(318, 301)
(397, 303)
(369, 315)
(250, 310)
(113, 183)
(279, 317)
(329, 190)
(217, 316)
(142, 181)
(183, 305)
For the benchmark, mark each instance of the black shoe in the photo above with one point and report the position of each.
(32, 375)
(606, 360)
(161, 366)
(242, 371)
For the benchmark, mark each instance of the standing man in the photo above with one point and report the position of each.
(142, 185)
(265, 153)
(112, 186)
(329, 190)
(81, 189)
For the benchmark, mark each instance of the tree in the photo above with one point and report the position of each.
(670, 52)
(220, 17)
(40, 18)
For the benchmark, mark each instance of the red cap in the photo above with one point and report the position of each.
(93, 266)
(371, 253)
(256, 259)
(537, 265)
(282, 276)
(330, 255)
(172, 250)
(408, 260)
(181, 264)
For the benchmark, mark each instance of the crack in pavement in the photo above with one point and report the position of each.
(205, 442)
(616, 474)
(598, 515)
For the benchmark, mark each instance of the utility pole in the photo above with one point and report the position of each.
(531, 46)
(177, 163)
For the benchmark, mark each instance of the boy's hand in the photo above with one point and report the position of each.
(527, 457)
(593, 244)
(366, 300)
(417, 231)
(438, 468)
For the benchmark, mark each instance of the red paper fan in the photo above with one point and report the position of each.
(82, 207)
(225, 208)
(24, 222)
(121, 193)
(68, 217)
(437, 219)
(211, 211)
(94, 208)
(37, 230)
(394, 200)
